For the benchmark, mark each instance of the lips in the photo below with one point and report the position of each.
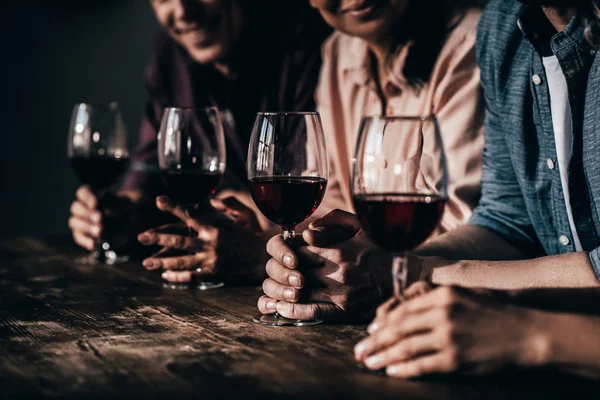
(361, 8)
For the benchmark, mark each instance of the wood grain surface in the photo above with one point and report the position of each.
(69, 330)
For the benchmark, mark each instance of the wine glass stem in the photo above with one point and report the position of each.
(399, 275)
(288, 235)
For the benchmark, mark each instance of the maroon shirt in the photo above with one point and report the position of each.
(281, 62)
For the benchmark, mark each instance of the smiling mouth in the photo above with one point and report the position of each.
(360, 9)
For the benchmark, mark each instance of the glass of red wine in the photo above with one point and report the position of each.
(287, 173)
(399, 185)
(191, 158)
(98, 152)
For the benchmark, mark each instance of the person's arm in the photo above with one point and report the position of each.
(500, 228)
(572, 343)
(487, 260)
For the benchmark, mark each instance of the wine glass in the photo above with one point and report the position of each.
(191, 158)
(98, 152)
(287, 172)
(399, 185)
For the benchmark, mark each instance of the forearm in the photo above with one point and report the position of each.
(563, 271)
(489, 261)
(567, 342)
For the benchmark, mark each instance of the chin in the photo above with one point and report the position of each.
(369, 31)
(206, 55)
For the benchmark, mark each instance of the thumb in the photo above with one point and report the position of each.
(335, 227)
(321, 311)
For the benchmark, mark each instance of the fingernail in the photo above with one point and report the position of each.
(373, 328)
(359, 349)
(288, 294)
(294, 280)
(149, 263)
(95, 230)
(272, 305)
(288, 260)
(96, 217)
(373, 361)
(166, 275)
(393, 370)
(144, 239)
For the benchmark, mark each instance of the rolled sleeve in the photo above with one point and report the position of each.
(594, 257)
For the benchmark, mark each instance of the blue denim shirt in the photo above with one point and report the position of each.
(522, 195)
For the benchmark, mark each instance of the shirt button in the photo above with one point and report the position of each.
(537, 79)
(564, 240)
(550, 163)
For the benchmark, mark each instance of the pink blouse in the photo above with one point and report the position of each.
(347, 91)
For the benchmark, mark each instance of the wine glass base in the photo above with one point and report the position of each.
(107, 258)
(193, 285)
(275, 320)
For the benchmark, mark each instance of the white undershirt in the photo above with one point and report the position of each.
(563, 131)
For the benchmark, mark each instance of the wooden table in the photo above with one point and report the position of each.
(113, 331)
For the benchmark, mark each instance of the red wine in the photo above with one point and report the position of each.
(287, 200)
(99, 171)
(191, 187)
(399, 222)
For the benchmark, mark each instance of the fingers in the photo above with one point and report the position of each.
(284, 275)
(441, 296)
(78, 209)
(403, 350)
(84, 227)
(267, 305)
(418, 289)
(282, 252)
(395, 330)
(85, 195)
(180, 242)
(382, 311)
(277, 291)
(83, 241)
(177, 276)
(237, 211)
(322, 311)
(164, 203)
(336, 227)
(174, 263)
(435, 363)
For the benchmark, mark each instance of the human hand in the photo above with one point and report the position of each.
(447, 330)
(333, 273)
(93, 217)
(226, 244)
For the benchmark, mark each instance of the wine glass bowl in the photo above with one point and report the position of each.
(287, 174)
(399, 184)
(192, 161)
(97, 149)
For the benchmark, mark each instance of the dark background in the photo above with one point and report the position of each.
(55, 53)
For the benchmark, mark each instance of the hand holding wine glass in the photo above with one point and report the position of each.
(397, 160)
(226, 244)
(399, 185)
(191, 157)
(98, 152)
(287, 172)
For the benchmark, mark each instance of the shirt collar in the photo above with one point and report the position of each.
(537, 29)
(356, 65)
